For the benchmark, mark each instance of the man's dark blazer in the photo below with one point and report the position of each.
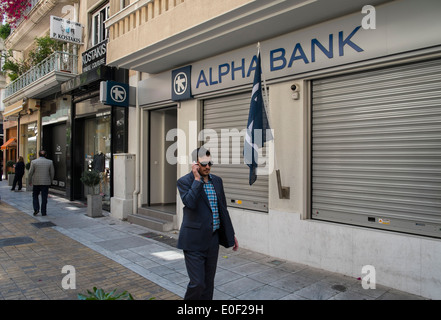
(197, 224)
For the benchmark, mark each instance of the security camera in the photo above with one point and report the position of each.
(295, 91)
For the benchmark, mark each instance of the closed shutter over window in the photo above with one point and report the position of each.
(230, 114)
(376, 148)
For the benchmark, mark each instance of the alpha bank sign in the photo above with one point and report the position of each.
(331, 44)
(66, 30)
(327, 46)
(114, 93)
(181, 84)
(284, 56)
(281, 57)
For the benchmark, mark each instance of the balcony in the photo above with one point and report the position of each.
(37, 22)
(43, 79)
(144, 32)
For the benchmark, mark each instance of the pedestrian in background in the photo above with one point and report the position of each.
(19, 173)
(41, 175)
(206, 225)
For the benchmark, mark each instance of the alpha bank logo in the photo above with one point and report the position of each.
(114, 93)
(181, 84)
(118, 94)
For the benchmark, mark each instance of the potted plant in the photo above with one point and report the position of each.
(91, 179)
(11, 175)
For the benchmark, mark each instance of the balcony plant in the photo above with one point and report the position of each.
(5, 31)
(44, 47)
(14, 67)
(91, 179)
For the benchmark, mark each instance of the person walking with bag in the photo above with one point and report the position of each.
(41, 175)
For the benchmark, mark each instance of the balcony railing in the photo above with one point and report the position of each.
(137, 13)
(58, 61)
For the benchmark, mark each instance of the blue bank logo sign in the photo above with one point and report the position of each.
(181, 86)
(114, 93)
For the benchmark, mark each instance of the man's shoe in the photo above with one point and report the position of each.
(35, 213)
(44, 214)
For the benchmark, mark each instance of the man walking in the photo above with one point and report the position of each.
(40, 176)
(206, 224)
(19, 173)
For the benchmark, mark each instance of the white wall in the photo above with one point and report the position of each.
(401, 261)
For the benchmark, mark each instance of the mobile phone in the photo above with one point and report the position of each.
(194, 162)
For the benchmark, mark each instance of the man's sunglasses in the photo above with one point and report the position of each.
(204, 164)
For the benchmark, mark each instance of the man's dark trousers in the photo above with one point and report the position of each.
(44, 193)
(201, 268)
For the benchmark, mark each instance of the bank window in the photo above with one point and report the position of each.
(99, 32)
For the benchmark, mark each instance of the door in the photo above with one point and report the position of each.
(162, 173)
(97, 154)
(54, 142)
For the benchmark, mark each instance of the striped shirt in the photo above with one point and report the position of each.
(212, 198)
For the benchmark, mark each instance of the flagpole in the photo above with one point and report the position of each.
(266, 104)
(283, 191)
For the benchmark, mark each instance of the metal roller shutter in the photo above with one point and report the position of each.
(376, 148)
(231, 114)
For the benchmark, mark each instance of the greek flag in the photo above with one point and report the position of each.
(258, 126)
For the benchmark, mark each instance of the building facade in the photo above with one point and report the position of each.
(353, 99)
(55, 105)
(352, 177)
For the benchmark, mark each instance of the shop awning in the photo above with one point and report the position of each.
(10, 143)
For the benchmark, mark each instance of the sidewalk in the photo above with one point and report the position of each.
(110, 253)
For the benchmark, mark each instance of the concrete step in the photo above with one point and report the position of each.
(150, 222)
(151, 212)
(153, 219)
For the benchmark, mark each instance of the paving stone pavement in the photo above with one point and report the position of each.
(110, 253)
(32, 257)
